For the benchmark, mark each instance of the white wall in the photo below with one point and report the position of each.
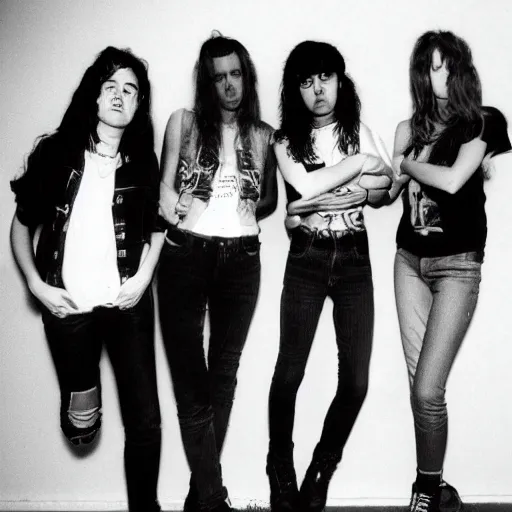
(44, 49)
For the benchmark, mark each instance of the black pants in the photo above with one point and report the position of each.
(223, 273)
(316, 269)
(76, 342)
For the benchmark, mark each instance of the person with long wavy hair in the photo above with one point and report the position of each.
(92, 187)
(218, 181)
(332, 168)
(439, 157)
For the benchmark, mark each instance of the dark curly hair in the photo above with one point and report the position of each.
(306, 59)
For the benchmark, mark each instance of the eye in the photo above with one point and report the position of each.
(236, 73)
(218, 78)
(109, 87)
(325, 77)
(306, 83)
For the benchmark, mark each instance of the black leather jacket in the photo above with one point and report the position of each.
(45, 195)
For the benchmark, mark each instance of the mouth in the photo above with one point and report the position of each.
(117, 106)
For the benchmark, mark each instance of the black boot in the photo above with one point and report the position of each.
(313, 491)
(192, 500)
(283, 484)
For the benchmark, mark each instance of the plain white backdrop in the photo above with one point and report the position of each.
(44, 49)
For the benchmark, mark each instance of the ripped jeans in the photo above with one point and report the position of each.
(222, 274)
(76, 343)
(435, 298)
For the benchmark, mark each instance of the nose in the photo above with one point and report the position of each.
(228, 84)
(317, 85)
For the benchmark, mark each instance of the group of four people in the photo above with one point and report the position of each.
(108, 216)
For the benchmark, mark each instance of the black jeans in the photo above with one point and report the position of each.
(223, 273)
(318, 268)
(76, 343)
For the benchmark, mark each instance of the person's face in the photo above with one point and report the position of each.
(439, 76)
(227, 77)
(320, 93)
(118, 99)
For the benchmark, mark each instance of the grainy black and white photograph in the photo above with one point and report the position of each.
(255, 255)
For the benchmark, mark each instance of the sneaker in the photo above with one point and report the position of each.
(421, 502)
(284, 493)
(313, 491)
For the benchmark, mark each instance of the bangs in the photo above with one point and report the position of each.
(312, 58)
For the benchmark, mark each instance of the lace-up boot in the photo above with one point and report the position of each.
(283, 484)
(313, 491)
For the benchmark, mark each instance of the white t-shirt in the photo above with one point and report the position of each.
(327, 150)
(220, 218)
(89, 269)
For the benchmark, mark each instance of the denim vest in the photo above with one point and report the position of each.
(197, 167)
(45, 195)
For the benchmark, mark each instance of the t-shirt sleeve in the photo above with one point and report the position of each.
(33, 204)
(495, 131)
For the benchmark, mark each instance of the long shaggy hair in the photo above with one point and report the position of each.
(206, 103)
(462, 117)
(78, 126)
(306, 59)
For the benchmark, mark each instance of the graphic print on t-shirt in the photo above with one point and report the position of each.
(425, 215)
(341, 220)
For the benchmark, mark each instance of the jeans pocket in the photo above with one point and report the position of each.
(174, 248)
(251, 247)
(300, 244)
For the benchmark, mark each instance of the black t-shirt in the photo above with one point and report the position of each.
(437, 223)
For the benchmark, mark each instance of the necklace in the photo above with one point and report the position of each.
(105, 164)
(105, 156)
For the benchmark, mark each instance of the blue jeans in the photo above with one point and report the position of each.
(316, 269)
(435, 300)
(222, 274)
(76, 343)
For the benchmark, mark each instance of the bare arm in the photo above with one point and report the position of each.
(402, 140)
(169, 164)
(448, 178)
(56, 300)
(327, 202)
(376, 182)
(268, 193)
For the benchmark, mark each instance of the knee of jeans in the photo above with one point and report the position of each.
(429, 408)
(82, 419)
(143, 435)
(223, 388)
(195, 417)
(142, 424)
(358, 390)
(288, 373)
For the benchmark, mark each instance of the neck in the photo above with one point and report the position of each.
(228, 116)
(110, 138)
(442, 108)
(320, 121)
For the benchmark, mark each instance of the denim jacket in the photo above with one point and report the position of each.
(45, 195)
(198, 165)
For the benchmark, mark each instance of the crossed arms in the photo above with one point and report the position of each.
(357, 179)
